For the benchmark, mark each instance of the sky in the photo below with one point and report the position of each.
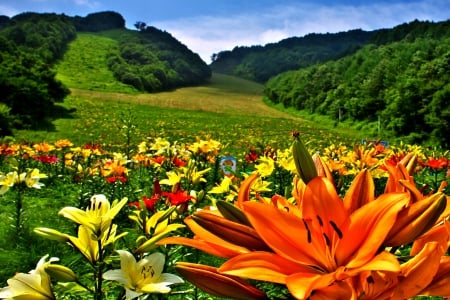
(211, 26)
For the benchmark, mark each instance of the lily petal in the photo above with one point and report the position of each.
(418, 272)
(264, 266)
(220, 285)
(367, 229)
(360, 192)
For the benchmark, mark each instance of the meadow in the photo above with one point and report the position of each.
(162, 153)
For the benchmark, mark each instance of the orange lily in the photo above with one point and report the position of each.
(209, 280)
(206, 241)
(440, 286)
(418, 272)
(322, 244)
(413, 279)
(421, 213)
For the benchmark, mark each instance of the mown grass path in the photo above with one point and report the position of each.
(223, 94)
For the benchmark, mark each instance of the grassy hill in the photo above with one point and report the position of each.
(85, 64)
(227, 108)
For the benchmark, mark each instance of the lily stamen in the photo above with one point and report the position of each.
(336, 229)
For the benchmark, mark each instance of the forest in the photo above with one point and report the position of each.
(400, 83)
(31, 43)
(259, 63)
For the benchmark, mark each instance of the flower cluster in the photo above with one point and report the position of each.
(322, 246)
(362, 222)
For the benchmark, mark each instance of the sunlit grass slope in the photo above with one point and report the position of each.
(84, 65)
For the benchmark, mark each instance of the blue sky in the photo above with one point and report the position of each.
(210, 26)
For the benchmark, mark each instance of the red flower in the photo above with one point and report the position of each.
(148, 202)
(178, 162)
(158, 160)
(178, 197)
(48, 159)
(251, 156)
(91, 146)
(393, 160)
(437, 163)
(114, 179)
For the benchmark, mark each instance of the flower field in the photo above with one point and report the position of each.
(182, 219)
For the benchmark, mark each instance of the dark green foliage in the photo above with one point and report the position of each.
(403, 85)
(4, 20)
(99, 21)
(29, 89)
(46, 35)
(260, 63)
(30, 43)
(152, 60)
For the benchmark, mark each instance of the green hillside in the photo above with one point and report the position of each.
(260, 63)
(85, 66)
(148, 60)
(398, 89)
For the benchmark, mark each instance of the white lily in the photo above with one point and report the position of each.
(143, 277)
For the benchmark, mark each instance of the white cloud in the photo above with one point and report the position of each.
(8, 11)
(91, 4)
(210, 34)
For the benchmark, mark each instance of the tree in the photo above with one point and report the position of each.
(140, 25)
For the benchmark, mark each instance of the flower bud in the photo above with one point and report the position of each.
(209, 280)
(304, 163)
(61, 273)
(51, 234)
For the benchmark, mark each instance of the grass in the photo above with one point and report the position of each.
(84, 65)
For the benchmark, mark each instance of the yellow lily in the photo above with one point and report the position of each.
(34, 285)
(32, 177)
(143, 277)
(7, 181)
(209, 280)
(265, 166)
(98, 215)
(156, 228)
(192, 174)
(173, 178)
(83, 242)
(322, 244)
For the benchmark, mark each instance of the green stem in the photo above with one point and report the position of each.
(99, 273)
(19, 206)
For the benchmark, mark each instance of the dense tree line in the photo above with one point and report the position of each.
(404, 84)
(99, 21)
(153, 60)
(31, 43)
(259, 63)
